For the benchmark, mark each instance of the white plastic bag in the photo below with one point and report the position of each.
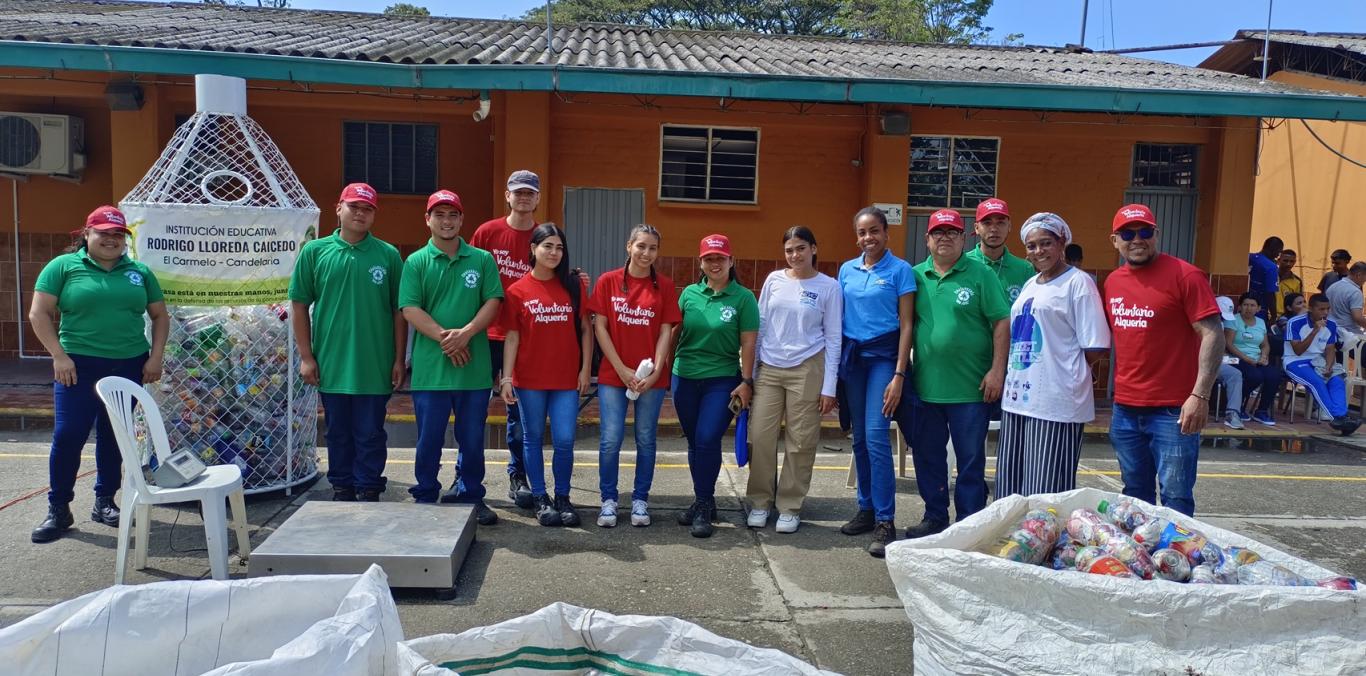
(565, 639)
(268, 626)
(975, 613)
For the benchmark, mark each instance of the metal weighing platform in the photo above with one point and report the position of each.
(419, 546)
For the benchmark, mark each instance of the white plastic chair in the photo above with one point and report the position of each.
(120, 396)
(1352, 353)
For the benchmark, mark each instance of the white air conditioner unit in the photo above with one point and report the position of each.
(32, 143)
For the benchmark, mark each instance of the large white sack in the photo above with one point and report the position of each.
(267, 626)
(975, 613)
(565, 639)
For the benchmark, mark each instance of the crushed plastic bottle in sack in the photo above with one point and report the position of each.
(1127, 513)
(1188, 541)
(1268, 573)
(1201, 574)
(1090, 528)
(1064, 556)
(1097, 561)
(1132, 554)
(1032, 539)
(1150, 532)
(1339, 583)
(1169, 564)
(1241, 555)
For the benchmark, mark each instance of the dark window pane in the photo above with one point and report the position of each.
(718, 165)
(394, 158)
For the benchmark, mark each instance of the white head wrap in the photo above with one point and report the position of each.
(1047, 221)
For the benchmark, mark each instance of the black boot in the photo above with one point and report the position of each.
(105, 511)
(568, 515)
(884, 533)
(58, 520)
(925, 528)
(703, 513)
(862, 522)
(519, 492)
(685, 517)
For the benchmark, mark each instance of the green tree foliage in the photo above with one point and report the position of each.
(943, 21)
(405, 9)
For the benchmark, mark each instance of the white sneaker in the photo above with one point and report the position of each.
(640, 513)
(607, 518)
(787, 523)
(758, 518)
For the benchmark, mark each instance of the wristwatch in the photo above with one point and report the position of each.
(748, 381)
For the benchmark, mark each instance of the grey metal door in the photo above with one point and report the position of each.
(916, 248)
(1175, 211)
(597, 221)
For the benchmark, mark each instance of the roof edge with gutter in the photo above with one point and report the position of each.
(508, 77)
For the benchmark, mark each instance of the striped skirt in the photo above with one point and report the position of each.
(1036, 456)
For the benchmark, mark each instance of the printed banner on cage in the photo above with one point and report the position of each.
(208, 255)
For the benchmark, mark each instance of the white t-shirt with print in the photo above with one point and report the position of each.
(1051, 326)
(797, 319)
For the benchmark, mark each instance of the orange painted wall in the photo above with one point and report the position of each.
(1306, 195)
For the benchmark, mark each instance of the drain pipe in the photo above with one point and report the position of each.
(18, 278)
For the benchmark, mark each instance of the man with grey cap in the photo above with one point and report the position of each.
(509, 240)
(1057, 325)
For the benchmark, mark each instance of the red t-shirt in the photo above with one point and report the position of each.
(1151, 309)
(548, 352)
(511, 250)
(634, 320)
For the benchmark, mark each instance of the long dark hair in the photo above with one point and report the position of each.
(568, 277)
(803, 233)
(642, 229)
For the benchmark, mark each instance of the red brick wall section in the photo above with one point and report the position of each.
(35, 250)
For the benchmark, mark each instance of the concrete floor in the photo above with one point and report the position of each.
(815, 594)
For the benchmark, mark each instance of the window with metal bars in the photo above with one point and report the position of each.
(708, 164)
(953, 172)
(1164, 165)
(393, 157)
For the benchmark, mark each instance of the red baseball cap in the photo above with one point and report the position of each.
(714, 244)
(1132, 213)
(945, 217)
(360, 192)
(444, 197)
(107, 219)
(992, 207)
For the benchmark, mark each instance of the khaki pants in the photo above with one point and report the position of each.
(792, 395)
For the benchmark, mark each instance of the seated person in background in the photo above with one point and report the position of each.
(1310, 350)
(1245, 337)
(1295, 305)
(1229, 376)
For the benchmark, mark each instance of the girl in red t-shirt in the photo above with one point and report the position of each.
(636, 311)
(546, 320)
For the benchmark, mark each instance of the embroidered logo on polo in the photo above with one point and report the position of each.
(134, 277)
(727, 313)
(471, 279)
(377, 274)
(963, 295)
(1013, 292)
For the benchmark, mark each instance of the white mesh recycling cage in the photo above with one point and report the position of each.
(220, 219)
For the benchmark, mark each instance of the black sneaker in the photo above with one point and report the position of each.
(685, 517)
(346, 494)
(1350, 426)
(368, 495)
(519, 491)
(483, 515)
(862, 522)
(704, 512)
(884, 533)
(568, 516)
(924, 528)
(58, 520)
(105, 511)
(546, 512)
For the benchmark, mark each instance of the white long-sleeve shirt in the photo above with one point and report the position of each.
(797, 319)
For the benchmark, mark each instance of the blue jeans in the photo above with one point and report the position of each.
(75, 410)
(357, 445)
(1150, 447)
(612, 403)
(514, 413)
(562, 406)
(433, 410)
(703, 407)
(967, 425)
(872, 445)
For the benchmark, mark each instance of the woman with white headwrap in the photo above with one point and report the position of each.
(1055, 322)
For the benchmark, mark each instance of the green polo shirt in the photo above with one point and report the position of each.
(353, 289)
(451, 290)
(102, 310)
(709, 343)
(954, 320)
(1012, 270)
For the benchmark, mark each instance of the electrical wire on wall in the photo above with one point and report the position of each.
(1329, 148)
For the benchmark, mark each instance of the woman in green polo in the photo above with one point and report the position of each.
(101, 296)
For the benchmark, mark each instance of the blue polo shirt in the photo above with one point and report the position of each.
(1263, 275)
(871, 295)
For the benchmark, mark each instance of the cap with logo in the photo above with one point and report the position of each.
(107, 219)
(1225, 307)
(444, 197)
(360, 192)
(992, 207)
(945, 218)
(1132, 213)
(524, 180)
(714, 244)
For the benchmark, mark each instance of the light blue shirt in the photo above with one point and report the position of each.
(871, 295)
(1247, 339)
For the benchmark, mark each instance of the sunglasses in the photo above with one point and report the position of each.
(1141, 233)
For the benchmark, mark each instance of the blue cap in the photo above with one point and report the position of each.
(523, 179)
